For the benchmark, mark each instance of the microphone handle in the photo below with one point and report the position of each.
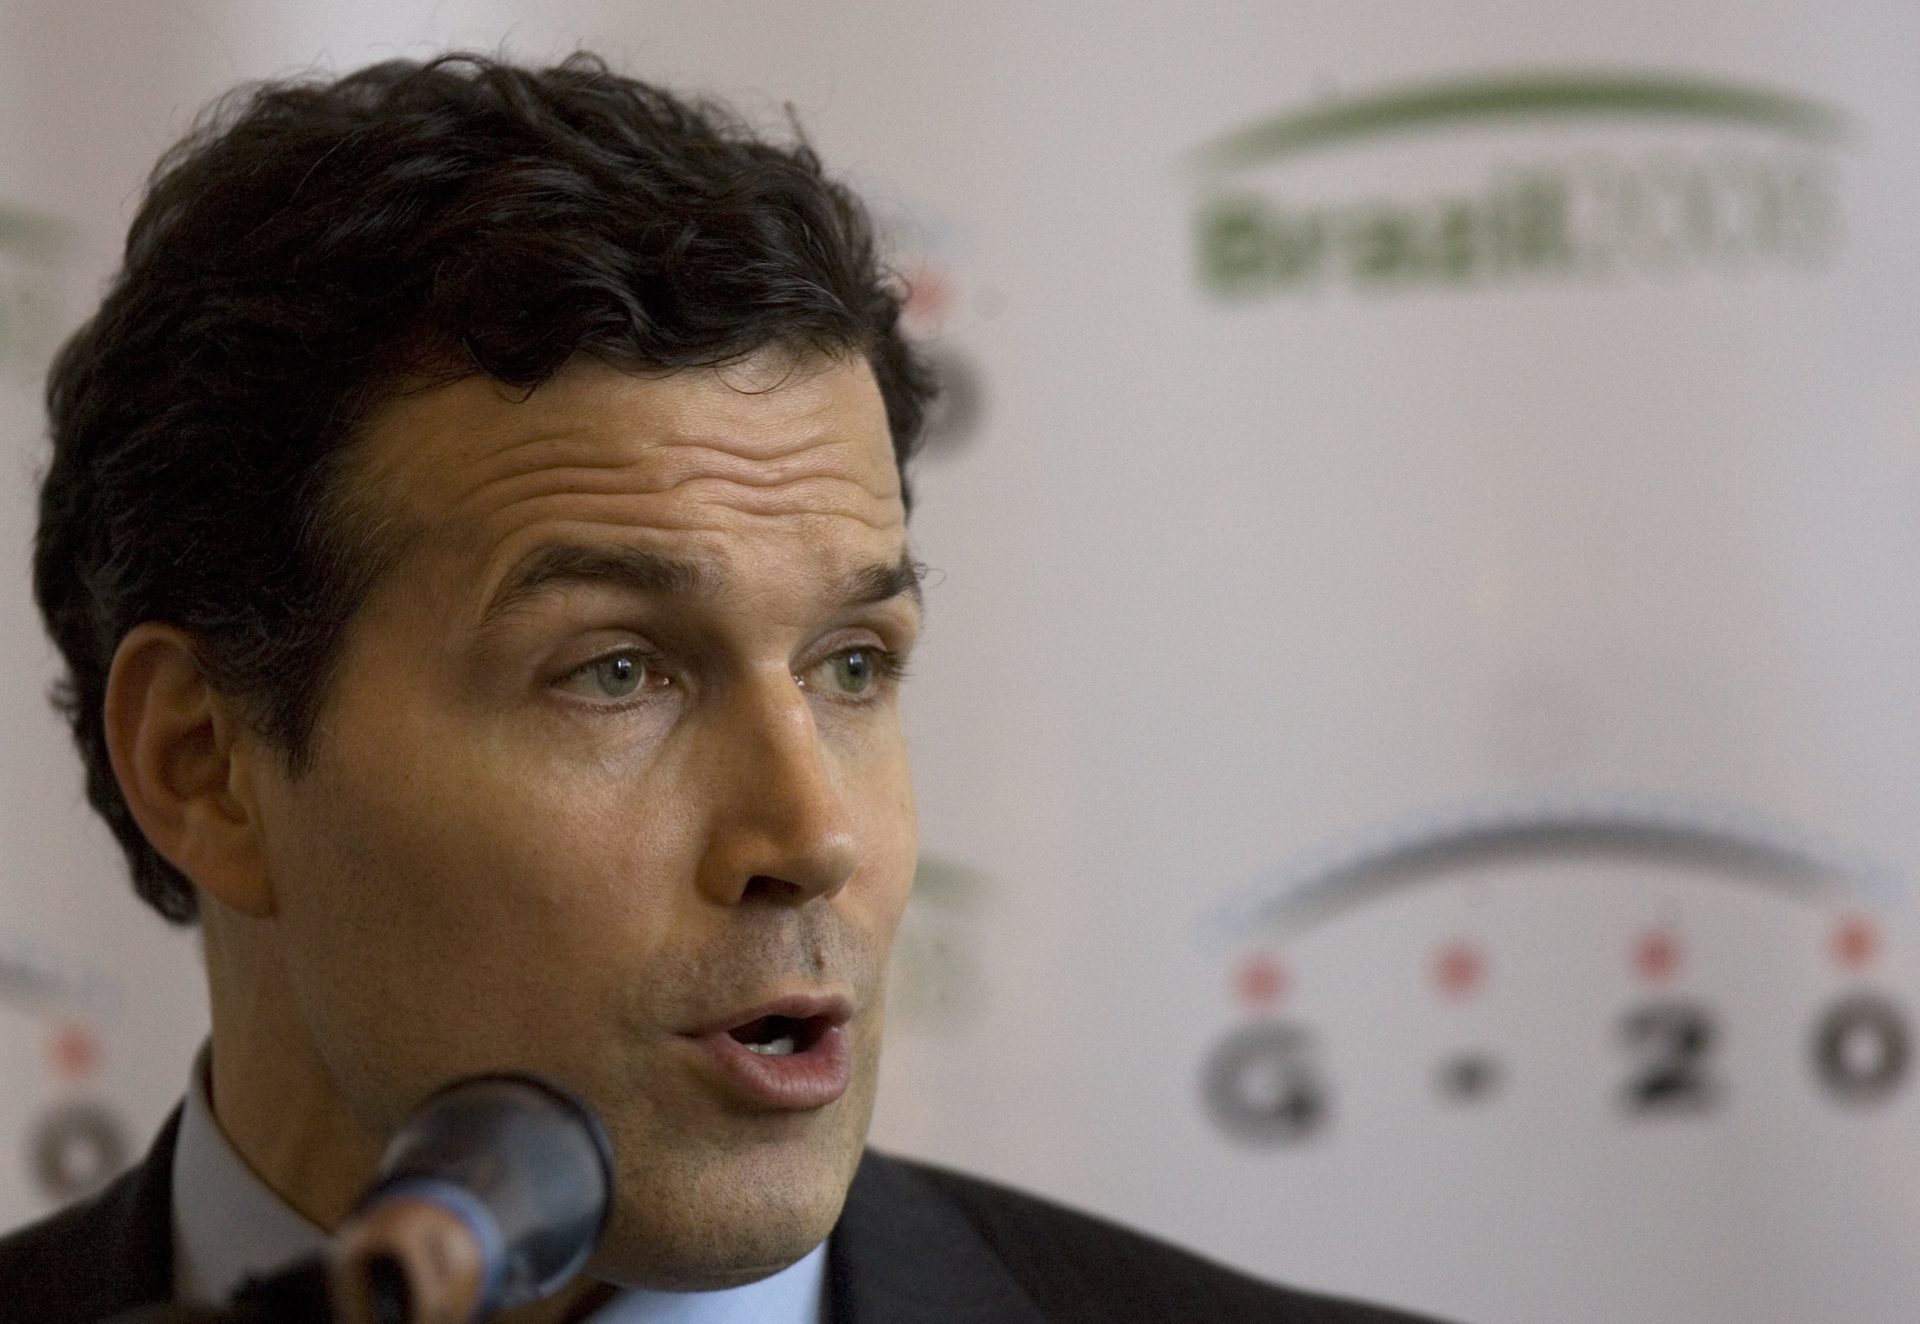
(296, 1294)
(193, 1315)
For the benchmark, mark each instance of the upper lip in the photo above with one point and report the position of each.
(833, 1008)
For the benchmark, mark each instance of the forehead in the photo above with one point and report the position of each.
(771, 451)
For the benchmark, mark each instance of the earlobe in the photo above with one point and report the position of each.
(179, 754)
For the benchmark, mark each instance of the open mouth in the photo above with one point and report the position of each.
(780, 1036)
(793, 1053)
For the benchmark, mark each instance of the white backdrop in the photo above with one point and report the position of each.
(1419, 728)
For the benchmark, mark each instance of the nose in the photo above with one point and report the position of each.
(779, 831)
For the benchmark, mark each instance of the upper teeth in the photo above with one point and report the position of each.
(774, 1047)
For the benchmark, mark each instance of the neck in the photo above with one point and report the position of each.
(276, 1104)
(273, 1098)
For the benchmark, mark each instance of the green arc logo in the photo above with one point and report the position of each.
(1759, 189)
(1527, 97)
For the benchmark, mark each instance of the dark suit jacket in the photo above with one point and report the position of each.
(916, 1245)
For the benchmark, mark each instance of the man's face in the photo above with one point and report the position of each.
(611, 778)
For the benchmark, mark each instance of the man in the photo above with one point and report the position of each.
(476, 534)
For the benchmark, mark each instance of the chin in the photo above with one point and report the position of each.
(702, 1223)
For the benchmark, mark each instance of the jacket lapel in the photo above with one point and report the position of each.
(113, 1253)
(905, 1254)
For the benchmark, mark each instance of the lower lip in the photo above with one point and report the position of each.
(792, 1082)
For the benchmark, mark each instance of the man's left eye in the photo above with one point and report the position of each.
(856, 671)
(617, 676)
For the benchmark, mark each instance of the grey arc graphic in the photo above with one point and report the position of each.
(1268, 1082)
(1739, 849)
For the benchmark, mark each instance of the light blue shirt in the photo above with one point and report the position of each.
(229, 1226)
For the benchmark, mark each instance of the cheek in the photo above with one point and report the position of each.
(887, 827)
(418, 955)
(468, 896)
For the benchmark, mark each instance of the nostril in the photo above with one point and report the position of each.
(765, 887)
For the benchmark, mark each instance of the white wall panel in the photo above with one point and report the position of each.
(1605, 570)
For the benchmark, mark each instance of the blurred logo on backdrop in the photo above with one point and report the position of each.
(936, 984)
(51, 1012)
(1538, 176)
(33, 253)
(935, 296)
(73, 1142)
(947, 306)
(1578, 958)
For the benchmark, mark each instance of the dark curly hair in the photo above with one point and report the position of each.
(316, 246)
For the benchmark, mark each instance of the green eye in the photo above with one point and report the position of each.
(618, 676)
(854, 670)
(613, 679)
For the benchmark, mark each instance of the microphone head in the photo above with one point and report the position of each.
(525, 1165)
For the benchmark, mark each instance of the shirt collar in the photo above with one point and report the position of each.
(228, 1225)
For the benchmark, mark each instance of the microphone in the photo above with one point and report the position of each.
(492, 1195)
(521, 1167)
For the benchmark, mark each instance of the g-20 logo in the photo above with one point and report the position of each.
(1681, 989)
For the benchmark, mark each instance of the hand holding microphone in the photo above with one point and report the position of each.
(406, 1260)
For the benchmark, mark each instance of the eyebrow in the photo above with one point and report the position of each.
(641, 571)
(883, 583)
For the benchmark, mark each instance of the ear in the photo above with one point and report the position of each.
(183, 761)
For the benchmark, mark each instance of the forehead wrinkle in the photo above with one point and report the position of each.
(819, 456)
(752, 441)
(623, 476)
(879, 521)
(478, 469)
(598, 526)
(645, 571)
(559, 449)
(607, 419)
(622, 506)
